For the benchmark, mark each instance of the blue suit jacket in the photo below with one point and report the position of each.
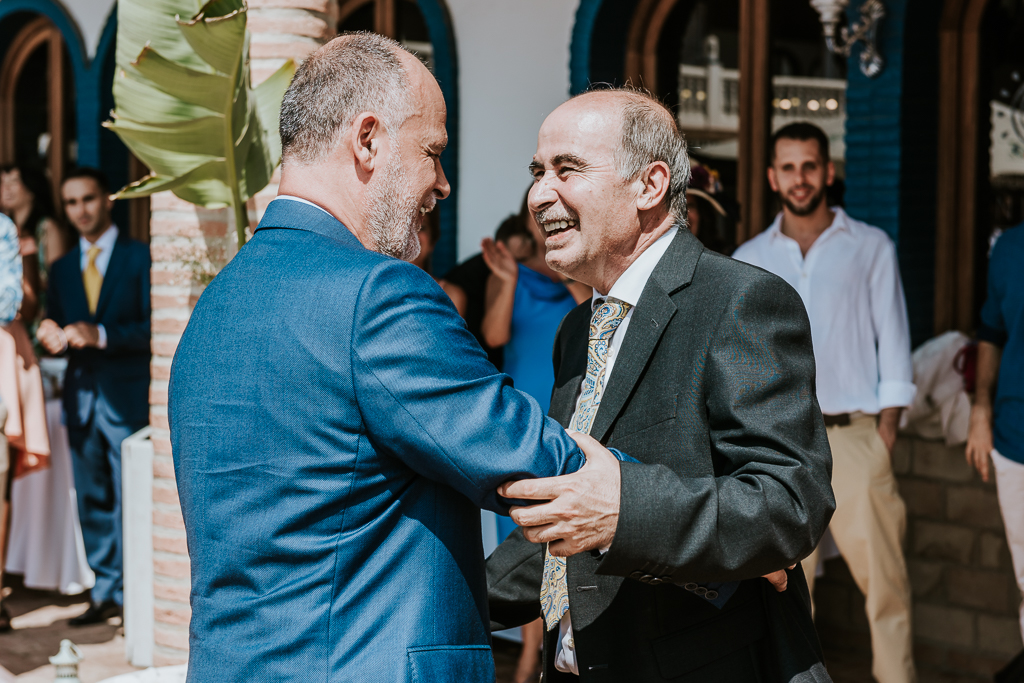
(111, 384)
(335, 429)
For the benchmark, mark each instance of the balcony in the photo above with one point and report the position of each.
(709, 107)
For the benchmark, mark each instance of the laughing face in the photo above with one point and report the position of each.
(586, 209)
(411, 182)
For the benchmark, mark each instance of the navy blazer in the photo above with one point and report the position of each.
(335, 429)
(111, 382)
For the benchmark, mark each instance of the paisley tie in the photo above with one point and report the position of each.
(609, 314)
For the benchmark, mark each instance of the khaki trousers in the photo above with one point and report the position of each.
(868, 526)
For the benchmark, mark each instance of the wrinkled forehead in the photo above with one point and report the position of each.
(582, 127)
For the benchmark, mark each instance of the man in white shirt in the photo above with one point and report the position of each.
(847, 275)
(98, 313)
(698, 367)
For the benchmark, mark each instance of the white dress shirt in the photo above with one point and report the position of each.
(105, 243)
(627, 288)
(850, 284)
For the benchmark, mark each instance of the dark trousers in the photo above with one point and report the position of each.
(96, 459)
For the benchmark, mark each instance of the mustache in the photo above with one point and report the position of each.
(554, 214)
(799, 188)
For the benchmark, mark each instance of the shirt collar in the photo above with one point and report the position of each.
(105, 242)
(841, 221)
(631, 283)
(292, 198)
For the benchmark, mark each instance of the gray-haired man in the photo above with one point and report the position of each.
(699, 367)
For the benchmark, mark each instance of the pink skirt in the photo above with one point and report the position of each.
(21, 387)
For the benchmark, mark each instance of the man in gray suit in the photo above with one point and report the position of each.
(701, 368)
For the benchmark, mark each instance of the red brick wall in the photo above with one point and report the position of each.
(188, 246)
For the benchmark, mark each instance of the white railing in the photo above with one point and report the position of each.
(709, 102)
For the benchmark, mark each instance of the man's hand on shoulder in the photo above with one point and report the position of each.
(581, 511)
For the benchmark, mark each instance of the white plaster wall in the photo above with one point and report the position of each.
(91, 17)
(513, 71)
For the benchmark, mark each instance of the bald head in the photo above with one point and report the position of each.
(352, 74)
(647, 132)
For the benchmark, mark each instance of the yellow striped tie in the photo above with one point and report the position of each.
(92, 280)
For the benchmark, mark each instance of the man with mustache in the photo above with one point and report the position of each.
(848, 277)
(699, 367)
(335, 427)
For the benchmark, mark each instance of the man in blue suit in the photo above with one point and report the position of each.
(335, 427)
(98, 313)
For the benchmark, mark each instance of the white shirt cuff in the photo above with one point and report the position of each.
(101, 343)
(892, 394)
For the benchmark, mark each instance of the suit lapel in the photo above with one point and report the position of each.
(76, 306)
(572, 365)
(651, 316)
(115, 271)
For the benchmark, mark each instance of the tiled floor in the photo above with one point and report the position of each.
(40, 622)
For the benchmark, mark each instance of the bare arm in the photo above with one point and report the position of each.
(888, 423)
(457, 295)
(979, 438)
(55, 243)
(31, 285)
(496, 326)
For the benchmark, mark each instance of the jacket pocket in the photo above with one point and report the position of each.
(639, 420)
(446, 663)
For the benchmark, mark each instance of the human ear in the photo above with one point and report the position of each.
(773, 180)
(655, 182)
(364, 138)
(830, 174)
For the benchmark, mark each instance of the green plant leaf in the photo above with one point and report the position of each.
(185, 107)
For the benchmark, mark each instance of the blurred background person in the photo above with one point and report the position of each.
(525, 301)
(26, 199)
(10, 302)
(706, 216)
(997, 418)
(99, 314)
(466, 284)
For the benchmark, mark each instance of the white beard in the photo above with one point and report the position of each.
(392, 213)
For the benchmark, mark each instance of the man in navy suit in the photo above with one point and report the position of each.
(335, 426)
(98, 313)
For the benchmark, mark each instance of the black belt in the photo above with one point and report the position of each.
(840, 420)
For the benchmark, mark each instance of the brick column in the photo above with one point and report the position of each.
(189, 245)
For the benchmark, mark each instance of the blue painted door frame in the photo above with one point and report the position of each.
(87, 73)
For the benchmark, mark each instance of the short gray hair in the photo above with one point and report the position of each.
(650, 133)
(352, 74)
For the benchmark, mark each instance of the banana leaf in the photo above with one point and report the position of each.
(184, 104)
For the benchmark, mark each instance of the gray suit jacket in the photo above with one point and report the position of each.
(713, 392)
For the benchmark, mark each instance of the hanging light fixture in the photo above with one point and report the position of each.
(871, 12)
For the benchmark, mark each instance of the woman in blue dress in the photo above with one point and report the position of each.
(525, 303)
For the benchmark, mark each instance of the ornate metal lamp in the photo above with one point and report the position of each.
(871, 12)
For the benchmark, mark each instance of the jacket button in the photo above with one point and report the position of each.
(690, 587)
(646, 578)
(711, 595)
(655, 581)
(700, 590)
(636, 575)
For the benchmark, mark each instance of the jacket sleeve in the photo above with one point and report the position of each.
(133, 333)
(771, 497)
(514, 573)
(428, 394)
